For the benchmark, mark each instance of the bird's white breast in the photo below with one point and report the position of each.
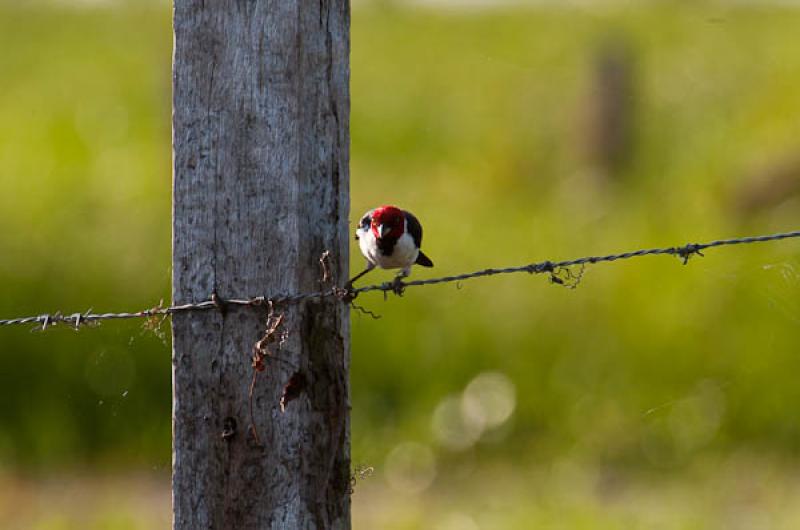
(403, 255)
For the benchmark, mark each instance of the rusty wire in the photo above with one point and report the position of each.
(684, 252)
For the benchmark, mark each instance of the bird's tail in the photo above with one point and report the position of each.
(424, 260)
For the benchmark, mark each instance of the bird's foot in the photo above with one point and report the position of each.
(398, 287)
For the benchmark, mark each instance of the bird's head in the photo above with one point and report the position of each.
(388, 221)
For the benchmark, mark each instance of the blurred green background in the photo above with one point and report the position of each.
(653, 395)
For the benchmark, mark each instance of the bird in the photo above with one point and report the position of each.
(390, 238)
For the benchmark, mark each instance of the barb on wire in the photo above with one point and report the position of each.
(684, 252)
(568, 277)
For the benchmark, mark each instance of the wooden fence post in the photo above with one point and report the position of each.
(261, 190)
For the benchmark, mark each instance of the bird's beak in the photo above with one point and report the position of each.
(384, 230)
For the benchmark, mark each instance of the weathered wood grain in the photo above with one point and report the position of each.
(260, 139)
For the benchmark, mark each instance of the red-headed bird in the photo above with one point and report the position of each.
(390, 239)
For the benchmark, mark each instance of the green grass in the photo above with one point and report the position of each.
(84, 210)
(740, 490)
(657, 375)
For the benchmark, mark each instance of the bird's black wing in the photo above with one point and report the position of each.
(414, 228)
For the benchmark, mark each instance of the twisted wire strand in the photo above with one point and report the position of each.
(347, 295)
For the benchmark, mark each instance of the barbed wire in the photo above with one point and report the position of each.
(347, 295)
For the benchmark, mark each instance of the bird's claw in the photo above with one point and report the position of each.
(398, 287)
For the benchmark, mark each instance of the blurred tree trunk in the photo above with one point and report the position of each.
(608, 124)
(261, 141)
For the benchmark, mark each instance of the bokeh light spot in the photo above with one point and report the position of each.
(450, 427)
(489, 400)
(410, 467)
